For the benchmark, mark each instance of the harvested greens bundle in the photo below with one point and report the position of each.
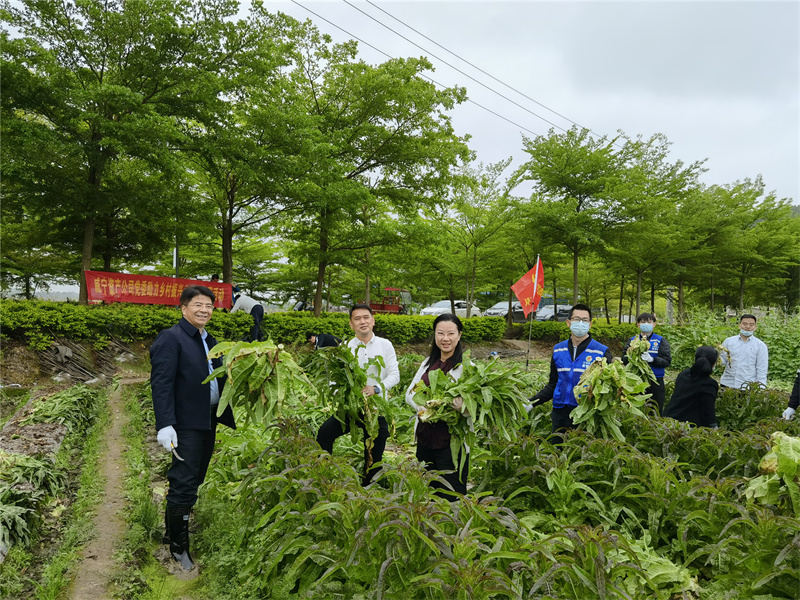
(261, 376)
(491, 398)
(639, 346)
(603, 387)
(340, 380)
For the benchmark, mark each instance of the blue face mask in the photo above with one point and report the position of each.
(579, 328)
(746, 332)
(646, 327)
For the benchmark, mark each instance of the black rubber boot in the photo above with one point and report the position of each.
(165, 539)
(178, 517)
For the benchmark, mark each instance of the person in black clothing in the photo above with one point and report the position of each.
(695, 396)
(570, 359)
(433, 439)
(658, 356)
(794, 399)
(186, 410)
(322, 340)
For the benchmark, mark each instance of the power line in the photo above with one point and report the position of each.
(513, 89)
(456, 68)
(355, 37)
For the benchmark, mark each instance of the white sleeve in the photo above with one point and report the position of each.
(762, 365)
(417, 378)
(390, 375)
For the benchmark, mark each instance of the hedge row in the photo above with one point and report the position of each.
(37, 323)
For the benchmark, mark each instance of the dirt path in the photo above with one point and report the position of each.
(96, 568)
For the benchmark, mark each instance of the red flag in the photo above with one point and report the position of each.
(530, 288)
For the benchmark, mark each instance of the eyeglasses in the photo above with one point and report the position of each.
(577, 320)
(449, 334)
(198, 306)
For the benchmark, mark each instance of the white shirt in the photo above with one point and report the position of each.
(245, 303)
(389, 376)
(748, 362)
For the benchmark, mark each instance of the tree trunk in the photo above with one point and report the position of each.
(681, 313)
(28, 291)
(638, 291)
(653, 298)
(605, 305)
(575, 277)
(107, 249)
(367, 298)
(510, 315)
(741, 293)
(328, 295)
(621, 293)
(86, 258)
(323, 262)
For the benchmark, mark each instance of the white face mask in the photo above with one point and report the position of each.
(746, 332)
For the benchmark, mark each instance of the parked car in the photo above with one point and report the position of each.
(501, 310)
(443, 307)
(545, 313)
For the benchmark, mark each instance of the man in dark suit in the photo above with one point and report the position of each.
(186, 410)
(322, 340)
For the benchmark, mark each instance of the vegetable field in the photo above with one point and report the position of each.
(651, 508)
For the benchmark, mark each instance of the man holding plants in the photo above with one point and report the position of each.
(570, 359)
(365, 346)
(658, 356)
(746, 358)
(186, 410)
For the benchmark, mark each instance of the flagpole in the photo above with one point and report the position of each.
(530, 325)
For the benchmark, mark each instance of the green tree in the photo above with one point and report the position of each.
(383, 146)
(114, 79)
(574, 177)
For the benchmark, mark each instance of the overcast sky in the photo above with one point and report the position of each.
(719, 79)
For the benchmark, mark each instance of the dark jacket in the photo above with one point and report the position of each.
(694, 400)
(178, 367)
(794, 398)
(326, 340)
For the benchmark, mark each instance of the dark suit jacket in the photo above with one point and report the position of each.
(325, 340)
(178, 367)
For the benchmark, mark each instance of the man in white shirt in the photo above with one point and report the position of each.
(747, 357)
(366, 345)
(254, 309)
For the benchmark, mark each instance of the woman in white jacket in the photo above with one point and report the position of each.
(433, 439)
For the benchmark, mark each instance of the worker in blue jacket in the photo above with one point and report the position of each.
(659, 356)
(186, 410)
(570, 359)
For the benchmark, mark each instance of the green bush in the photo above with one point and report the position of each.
(38, 323)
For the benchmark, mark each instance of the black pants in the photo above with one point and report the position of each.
(257, 312)
(333, 429)
(442, 460)
(562, 421)
(195, 448)
(658, 392)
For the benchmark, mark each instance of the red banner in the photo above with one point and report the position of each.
(147, 289)
(530, 288)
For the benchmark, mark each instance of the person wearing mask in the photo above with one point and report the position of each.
(364, 346)
(658, 356)
(254, 309)
(433, 439)
(794, 399)
(746, 358)
(695, 396)
(186, 410)
(570, 359)
(322, 340)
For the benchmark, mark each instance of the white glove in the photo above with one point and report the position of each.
(788, 414)
(166, 436)
(647, 358)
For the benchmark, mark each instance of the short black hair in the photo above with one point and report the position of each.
(646, 317)
(580, 307)
(360, 306)
(190, 292)
(310, 334)
(215, 277)
(748, 316)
